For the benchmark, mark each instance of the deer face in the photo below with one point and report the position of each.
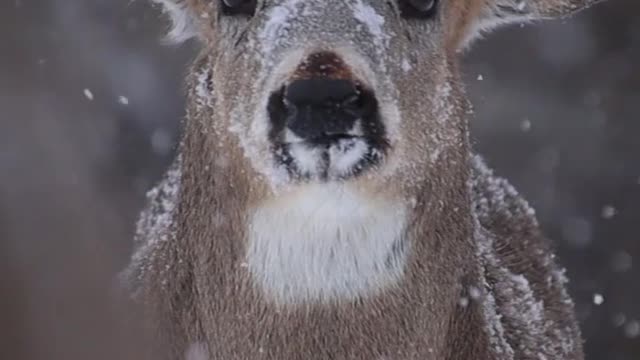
(355, 108)
(335, 91)
(342, 90)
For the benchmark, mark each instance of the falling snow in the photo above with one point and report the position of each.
(608, 212)
(632, 329)
(88, 94)
(525, 125)
(598, 299)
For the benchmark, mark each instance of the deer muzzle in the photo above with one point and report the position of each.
(325, 124)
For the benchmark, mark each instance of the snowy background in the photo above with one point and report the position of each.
(91, 103)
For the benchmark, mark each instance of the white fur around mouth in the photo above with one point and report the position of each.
(333, 161)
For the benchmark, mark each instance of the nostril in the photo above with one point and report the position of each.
(320, 91)
(318, 108)
(353, 101)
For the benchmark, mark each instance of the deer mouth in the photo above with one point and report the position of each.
(333, 158)
(326, 129)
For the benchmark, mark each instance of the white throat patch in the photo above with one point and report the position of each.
(326, 242)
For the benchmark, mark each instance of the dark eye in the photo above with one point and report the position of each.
(239, 7)
(418, 9)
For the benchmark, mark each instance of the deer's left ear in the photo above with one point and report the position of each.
(493, 13)
(536, 9)
(182, 18)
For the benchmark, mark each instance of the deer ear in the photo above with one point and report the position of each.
(494, 13)
(522, 10)
(183, 20)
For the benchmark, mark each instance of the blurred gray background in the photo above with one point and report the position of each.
(91, 103)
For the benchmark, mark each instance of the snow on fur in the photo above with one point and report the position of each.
(155, 225)
(516, 320)
(182, 18)
(509, 300)
(505, 198)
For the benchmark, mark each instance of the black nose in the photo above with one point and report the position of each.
(320, 108)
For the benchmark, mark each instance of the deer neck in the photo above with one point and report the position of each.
(323, 261)
(317, 243)
(325, 242)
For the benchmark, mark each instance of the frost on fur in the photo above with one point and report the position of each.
(518, 321)
(154, 227)
(182, 18)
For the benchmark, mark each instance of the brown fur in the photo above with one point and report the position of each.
(476, 246)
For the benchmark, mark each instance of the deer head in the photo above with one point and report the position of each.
(325, 159)
(353, 91)
(300, 100)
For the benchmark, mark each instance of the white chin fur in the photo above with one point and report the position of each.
(325, 242)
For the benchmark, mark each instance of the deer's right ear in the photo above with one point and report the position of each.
(183, 19)
(493, 13)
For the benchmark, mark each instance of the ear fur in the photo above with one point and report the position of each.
(183, 20)
(494, 13)
(537, 9)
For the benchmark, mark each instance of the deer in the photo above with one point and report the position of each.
(325, 201)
